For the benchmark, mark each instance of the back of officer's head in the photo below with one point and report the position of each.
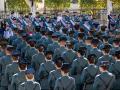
(70, 45)
(30, 74)
(65, 68)
(77, 26)
(58, 62)
(15, 55)
(64, 30)
(55, 37)
(116, 42)
(9, 49)
(88, 40)
(41, 48)
(81, 36)
(22, 65)
(106, 48)
(71, 33)
(48, 55)
(105, 39)
(117, 55)
(31, 42)
(81, 51)
(104, 65)
(62, 40)
(3, 44)
(91, 58)
(95, 42)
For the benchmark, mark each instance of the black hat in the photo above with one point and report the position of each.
(48, 52)
(49, 33)
(3, 43)
(65, 66)
(81, 35)
(91, 56)
(104, 63)
(58, 60)
(107, 46)
(116, 40)
(69, 43)
(96, 24)
(63, 38)
(15, 53)
(10, 47)
(22, 62)
(95, 41)
(40, 45)
(54, 35)
(89, 38)
(117, 53)
(32, 42)
(71, 32)
(30, 71)
(82, 48)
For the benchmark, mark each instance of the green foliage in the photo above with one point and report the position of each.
(17, 5)
(57, 4)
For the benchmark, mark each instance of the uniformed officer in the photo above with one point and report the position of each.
(80, 41)
(106, 56)
(89, 73)
(54, 45)
(105, 41)
(88, 45)
(65, 82)
(58, 52)
(12, 68)
(30, 52)
(30, 84)
(114, 68)
(69, 55)
(95, 49)
(1, 51)
(3, 45)
(37, 59)
(55, 74)
(105, 80)
(78, 65)
(19, 77)
(45, 69)
(116, 47)
(4, 61)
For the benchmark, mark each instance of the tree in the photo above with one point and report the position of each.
(57, 4)
(92, 6)
(17, 5)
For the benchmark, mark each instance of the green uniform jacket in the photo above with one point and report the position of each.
(104, 81)
(65, 83)
(29, 85)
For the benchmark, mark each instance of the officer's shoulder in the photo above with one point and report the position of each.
(85, 59)
(36, 83)
(9, 66)
(22, 84)
(42, 64)
(53, 71)
(75, 61)
(35, 55)
(97, 76)
(71, 78)
(109, 73)
(86, 68)
(15, 75)
(100, 57)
